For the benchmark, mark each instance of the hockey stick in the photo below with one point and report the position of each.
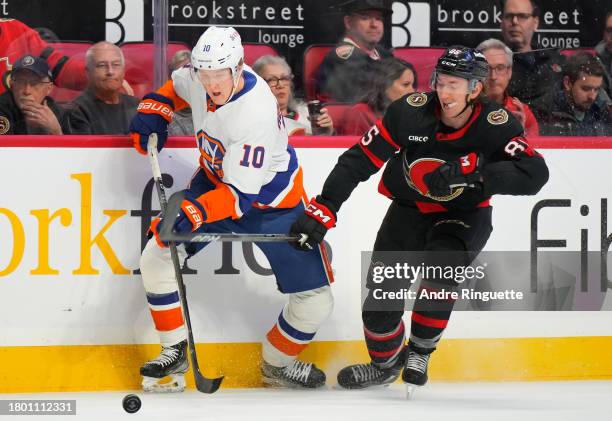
(168, 234)
(203, 384)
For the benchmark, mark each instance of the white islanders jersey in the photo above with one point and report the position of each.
(243, 144)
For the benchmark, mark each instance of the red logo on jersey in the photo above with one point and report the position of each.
(415, 177)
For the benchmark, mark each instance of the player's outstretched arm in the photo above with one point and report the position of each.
(355, 165)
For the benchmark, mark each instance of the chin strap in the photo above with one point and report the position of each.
(236, 83)
(468, 102)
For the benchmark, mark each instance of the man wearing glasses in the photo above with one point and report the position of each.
(499, 57)
(604, 52)
(102, 108)
(534, 71)
(347, 70)
(26, 107)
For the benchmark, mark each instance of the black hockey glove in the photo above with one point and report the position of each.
(465, 172)
(312, 226)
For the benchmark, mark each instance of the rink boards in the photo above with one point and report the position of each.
(75, 316)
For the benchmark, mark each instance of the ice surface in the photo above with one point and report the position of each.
(584, 400)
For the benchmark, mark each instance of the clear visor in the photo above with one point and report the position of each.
(443, 83)
(213, 77)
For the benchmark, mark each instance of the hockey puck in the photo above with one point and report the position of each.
(131, 403)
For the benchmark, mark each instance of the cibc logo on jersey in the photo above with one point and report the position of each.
(421, 139)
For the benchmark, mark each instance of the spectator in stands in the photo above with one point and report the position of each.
(17, 39)
(499, 57)
(604, 52)
(102, 108)
(182, 122)
(534, 72)
(578, 109)
(277, 73)
(346, 70)
(26, 107)
(394, 79)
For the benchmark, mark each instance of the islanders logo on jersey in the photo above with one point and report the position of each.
(212, 151)
(415, 173)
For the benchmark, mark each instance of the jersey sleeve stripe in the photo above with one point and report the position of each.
(378, 163)
(220, 203)
(167, 90)
(385, 134)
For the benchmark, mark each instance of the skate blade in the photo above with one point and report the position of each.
(411, 390)
(338, 386)
(281, 384)
(153, 385)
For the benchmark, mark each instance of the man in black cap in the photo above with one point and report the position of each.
(26, 107)
(347, 69)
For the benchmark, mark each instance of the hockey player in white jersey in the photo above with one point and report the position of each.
(248, 181)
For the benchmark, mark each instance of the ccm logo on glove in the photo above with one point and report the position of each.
(321, 213)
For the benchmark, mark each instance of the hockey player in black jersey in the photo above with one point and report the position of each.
(447, 153)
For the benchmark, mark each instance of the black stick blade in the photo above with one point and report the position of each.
(206, 385)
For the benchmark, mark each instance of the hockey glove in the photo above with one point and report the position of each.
(155, 112)
(465, 172)
(190, 217)
(318, 218)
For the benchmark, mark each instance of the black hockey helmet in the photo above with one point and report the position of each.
(464, 62)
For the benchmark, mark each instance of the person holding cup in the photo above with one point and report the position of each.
(296, 114)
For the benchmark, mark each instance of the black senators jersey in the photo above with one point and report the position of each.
(413, 140)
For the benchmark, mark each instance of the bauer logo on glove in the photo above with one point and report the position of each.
(155, 112)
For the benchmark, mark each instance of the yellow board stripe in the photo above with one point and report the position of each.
(115, 367)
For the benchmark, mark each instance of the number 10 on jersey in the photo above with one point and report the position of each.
(255, 159)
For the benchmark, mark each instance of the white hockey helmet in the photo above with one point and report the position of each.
(218, 48)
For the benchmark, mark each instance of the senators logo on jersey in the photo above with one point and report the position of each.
(498, 117)
(417, 99)
(5, 125)
(415, 177)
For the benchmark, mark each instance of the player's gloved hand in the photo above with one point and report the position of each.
(465, 172)
(312, 226)
(191, 216)
(155, 112)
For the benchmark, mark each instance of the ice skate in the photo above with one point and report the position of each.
(360, 376)
(415, 371)
(171, 362)
(298, 375)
